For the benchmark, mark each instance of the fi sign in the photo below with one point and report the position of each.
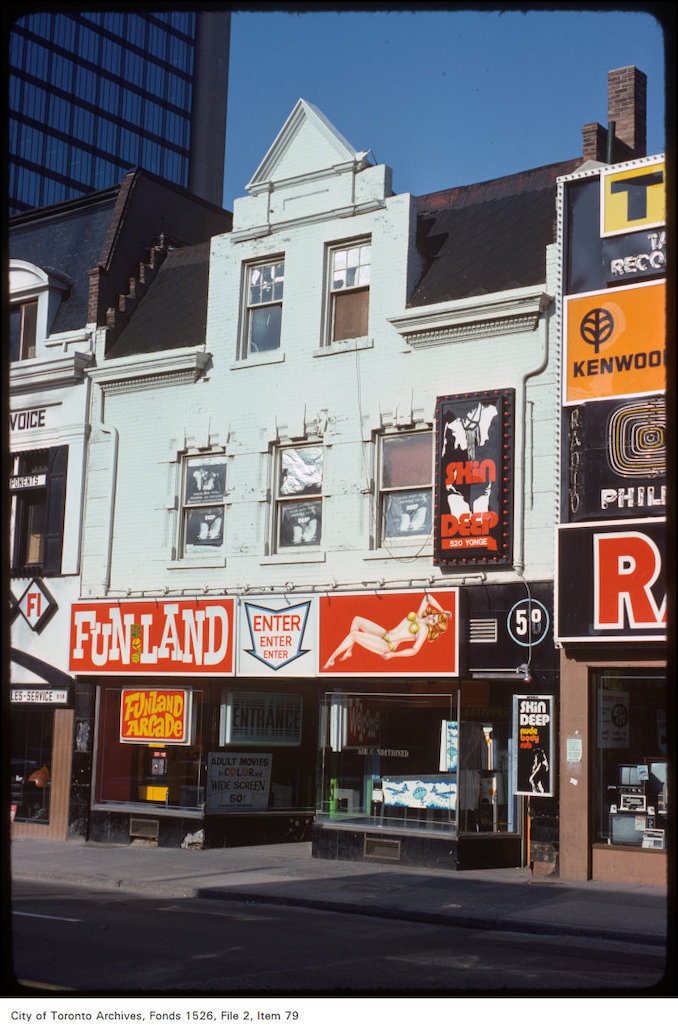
(632, 200)
(36, 605)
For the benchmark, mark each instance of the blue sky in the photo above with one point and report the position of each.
(445, 97)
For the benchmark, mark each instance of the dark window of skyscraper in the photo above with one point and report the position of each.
(136, 30)
(59, 114)
(128, 148)
(81, 167)
(157, 41)
(176, 90)
(62, 73)
(85, 84)
(134, 68)
(83, 124)
(131, 107)
(109, 96)
(89, 44)
(31, 144)
(64, 32)
(37, 60)
(111, 56)
(106, 135)
(35, 101)
(153, 118)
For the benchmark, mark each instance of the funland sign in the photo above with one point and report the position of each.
(172, 637)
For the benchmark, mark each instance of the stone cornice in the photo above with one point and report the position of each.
(48, 372)
(460, 320)
(151, 370)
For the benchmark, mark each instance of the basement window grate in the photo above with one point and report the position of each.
(378, 847)
(482, 631)
(149, 829)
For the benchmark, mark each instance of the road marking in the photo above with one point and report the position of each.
(53, 918)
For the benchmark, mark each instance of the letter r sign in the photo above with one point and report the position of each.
(625, 567)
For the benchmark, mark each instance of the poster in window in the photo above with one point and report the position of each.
(534, 733)
(300, 524)
(407, 514)
(301, 471)
(205, 481)
(474, 478)
(204, 528)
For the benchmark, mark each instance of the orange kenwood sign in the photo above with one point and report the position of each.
(155, 716)
(615, 343)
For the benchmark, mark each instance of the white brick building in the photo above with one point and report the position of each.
(285, 458)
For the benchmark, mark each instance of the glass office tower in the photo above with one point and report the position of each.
(93, 94)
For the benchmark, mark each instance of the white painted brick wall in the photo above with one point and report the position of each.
(351, 394)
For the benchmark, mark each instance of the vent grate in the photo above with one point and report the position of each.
(378, 847)
(147, 828)
(482, 631)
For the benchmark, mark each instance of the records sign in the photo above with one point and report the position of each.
(533, 733)
(474, 478)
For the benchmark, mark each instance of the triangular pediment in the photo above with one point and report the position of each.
(307, 144)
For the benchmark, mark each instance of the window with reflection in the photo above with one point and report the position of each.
(405, 485)
(298, 510)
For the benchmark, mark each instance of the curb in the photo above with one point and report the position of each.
(376, 910)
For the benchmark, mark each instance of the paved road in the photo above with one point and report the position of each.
(90, 942)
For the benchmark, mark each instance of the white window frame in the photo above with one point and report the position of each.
(250, 307)
(403, 501)
(202, 512)
(335, 290)
(304, 532)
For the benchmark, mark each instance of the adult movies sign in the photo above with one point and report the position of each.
(174, 637)
(474, 478)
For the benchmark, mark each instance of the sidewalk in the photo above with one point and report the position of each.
(506, 899)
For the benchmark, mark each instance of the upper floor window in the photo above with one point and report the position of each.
(38, 497)
(349, 282)
(204, 490)
(264, 307)
(23, 323)
(405, 485)
(298, 507)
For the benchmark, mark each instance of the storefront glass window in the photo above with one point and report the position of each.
(149, 745)
(409, 762)
(631, 801)
(31, 763)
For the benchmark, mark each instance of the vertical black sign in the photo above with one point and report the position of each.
(533, 737)
(474, 478)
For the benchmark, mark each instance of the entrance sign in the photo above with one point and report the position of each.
(277, 637)
(174, 637)
(534, 735)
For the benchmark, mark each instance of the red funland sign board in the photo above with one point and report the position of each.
(172, 637)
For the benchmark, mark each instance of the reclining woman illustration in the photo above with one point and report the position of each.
(402, 641)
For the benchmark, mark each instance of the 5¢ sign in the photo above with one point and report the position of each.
(528, 622)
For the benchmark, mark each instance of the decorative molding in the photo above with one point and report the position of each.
(48, 372)
(151, 370)
(461, 320)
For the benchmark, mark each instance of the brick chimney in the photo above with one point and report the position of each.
(627, 108)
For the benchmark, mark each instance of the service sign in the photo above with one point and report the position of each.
(615, 343)
(611, 581)
(632, 198)
(534, 733)
(155, 716)
(172, 637)
(616, 458)
(474, 478)
(399, 633)
(277, 637)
